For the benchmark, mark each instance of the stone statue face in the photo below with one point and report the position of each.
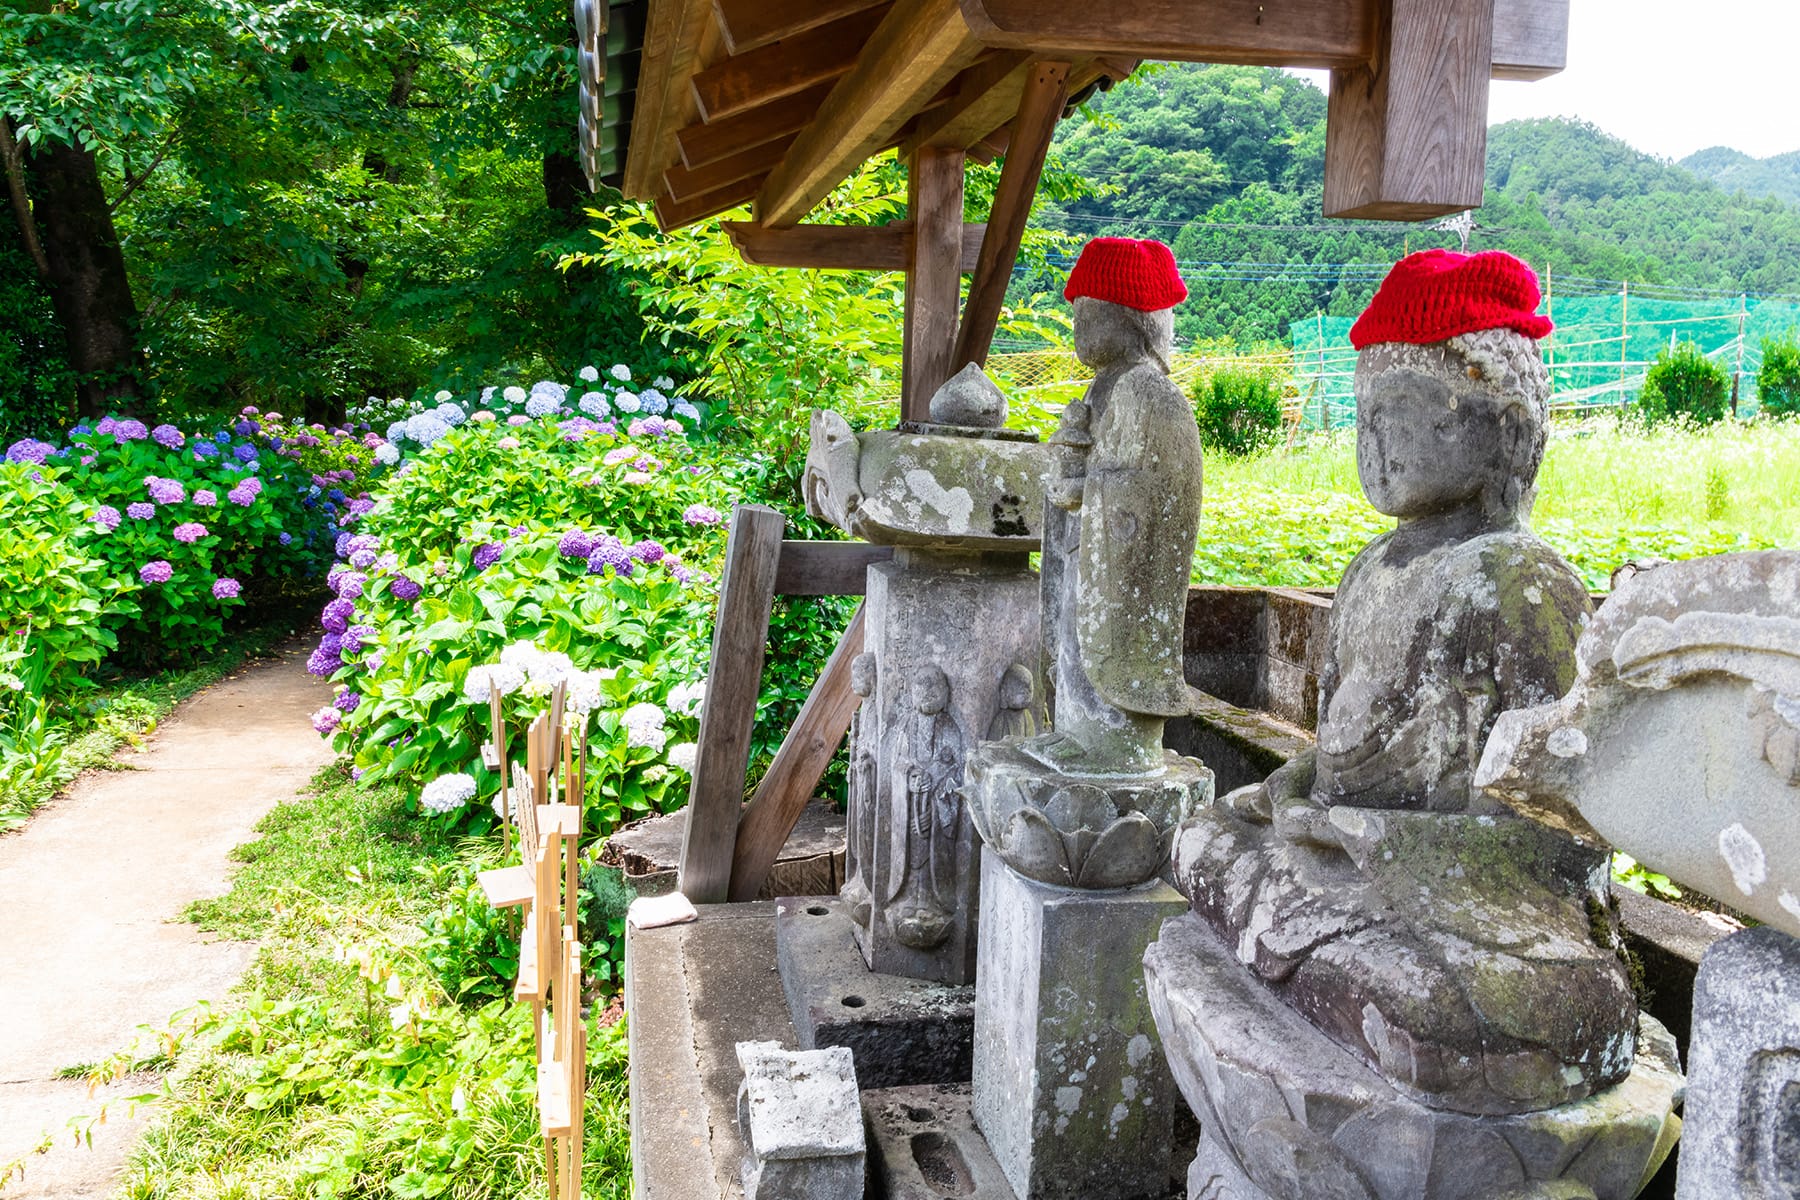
(862, 675)
(931, 691)
(1015, 687)
(1433, 434)
(1106, 333)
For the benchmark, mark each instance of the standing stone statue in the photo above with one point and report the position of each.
(1018, 715)
(859, 821)
(1467, 956)
(923, 891)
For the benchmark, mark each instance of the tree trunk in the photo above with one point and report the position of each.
(87, 280)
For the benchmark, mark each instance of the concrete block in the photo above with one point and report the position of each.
(1742, 1136)
(924, 1146)
(1070, 1085)
(901, 1030)
(802, 1123)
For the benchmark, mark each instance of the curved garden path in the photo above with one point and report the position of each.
(92, 944)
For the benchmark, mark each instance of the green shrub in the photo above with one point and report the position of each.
(1239, 412)
(1683, 382)
(1778, 379)
(53, 588)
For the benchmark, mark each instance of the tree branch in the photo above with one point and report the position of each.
(132, 184)
(21, 202)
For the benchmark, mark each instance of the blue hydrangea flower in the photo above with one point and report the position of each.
(686, 411)
(206, 449)
(451, 413)
(387, 454)
(222, 438)
(396, 431)
(654, 402)
(426, 428)
(540, 405)
(245, 453)
(594, 404)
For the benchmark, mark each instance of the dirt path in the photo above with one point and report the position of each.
(91, 895)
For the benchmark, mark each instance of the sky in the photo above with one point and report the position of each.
(1671, 76)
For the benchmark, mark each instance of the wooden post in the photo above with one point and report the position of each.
(1039, 109)
(934, 280)
(746, 594)
(1737, 371)
(805, 753)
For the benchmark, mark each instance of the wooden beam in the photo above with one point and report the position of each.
(1530, 36)
(840, 247)
(827, 568)
(747, 81)
(798, 765)
(1040, 108)
(751, 24)
(933, 285)
(673, 34)
(746, 594)
(1406, 135)
(983, 98)
(685, 183)
(918, 48)
(673, 214)
(702, 143)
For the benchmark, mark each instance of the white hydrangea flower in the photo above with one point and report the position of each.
(589, 374)
(443, 395)
(514, 394)
(686, 411)
(663, 383)
(447, 793)
(543, 669)
(686, 698)
(387, 454)
(487, 393)
(540, 405)
(683, 755)
(620, 372)
(584, 694)
(595, 405)
(482, 682)
(452, 413)
(644, 726)
(627, 402)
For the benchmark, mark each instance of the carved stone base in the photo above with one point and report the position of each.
(1287, 1114)
(1070, 1086)
(1087, 831)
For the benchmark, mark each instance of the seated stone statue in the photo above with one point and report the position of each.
(1467, 954)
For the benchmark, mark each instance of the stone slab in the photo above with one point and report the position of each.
(1070, 1086)
(801, 1120)
(648, 853)
(1742, 1137)
(923, 1145)
(692, 993)
(1299, 1118)
(901, 1030)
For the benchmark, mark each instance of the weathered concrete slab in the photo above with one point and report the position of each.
(801, 1120)
(924, 1146)
(692, 993)
(901, 1030)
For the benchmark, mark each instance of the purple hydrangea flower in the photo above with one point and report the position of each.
(244, 428)
(404, 588)
(702, 514)
(350, 584)
(577, 543)
(106, 517)
(486, 555)
(286, 538)
(189, 532)
(141, 510)
(362, 560)
(341, 547)
(107, 425)
(226, 588)
(359, 507)
(347, 701)
(130, 431)
(165, 491)
(205, 498)
(337, 615)
(681, 573)
(324, 662)
(157, 570)
(354, 637)
(29, 450)
(610, 553)
(648, 551)
(326, 720)
(204, 449)
(167, 436)
(242, 495)
(332, 643)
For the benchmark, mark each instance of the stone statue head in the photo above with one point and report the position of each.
(1016, 687)
(1451, 424)
(930, 690)
(862, 675)
(1108, 333)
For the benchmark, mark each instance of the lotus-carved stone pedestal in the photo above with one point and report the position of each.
(1287, 1114)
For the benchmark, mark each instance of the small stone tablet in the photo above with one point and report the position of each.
(802, 1123)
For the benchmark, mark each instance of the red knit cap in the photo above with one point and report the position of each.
(1437, 294)
(1137, 273)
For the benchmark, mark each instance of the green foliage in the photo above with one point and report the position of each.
(55, 590)
(1778, 380)
(1641, 879)
(37, 388)
(468, 942)
(1239, 411)
(1683, 382)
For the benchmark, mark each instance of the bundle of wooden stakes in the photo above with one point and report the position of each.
(547, 886)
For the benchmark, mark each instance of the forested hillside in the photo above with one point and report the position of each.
(1227, 165)
(1735, 171)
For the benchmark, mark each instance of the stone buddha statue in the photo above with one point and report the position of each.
(1467, 954)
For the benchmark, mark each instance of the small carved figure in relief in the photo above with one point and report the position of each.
(923, 849)
(859, 815)
(1018, 715)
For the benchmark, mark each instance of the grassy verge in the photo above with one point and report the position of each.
(343, 1065)
(87, 728)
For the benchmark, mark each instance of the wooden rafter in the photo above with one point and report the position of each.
(750, 24)
(746, 81)
(685, 183)
(982, 99)
(918, 48)
(1040, 107)
(841, 247)
(702, 143)
(673, 214)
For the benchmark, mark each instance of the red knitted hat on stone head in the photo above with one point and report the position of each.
(1138, 273)
(1437, 294)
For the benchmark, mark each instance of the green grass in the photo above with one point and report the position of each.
(89, 726)
(340, 1066)
(1607, 492)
